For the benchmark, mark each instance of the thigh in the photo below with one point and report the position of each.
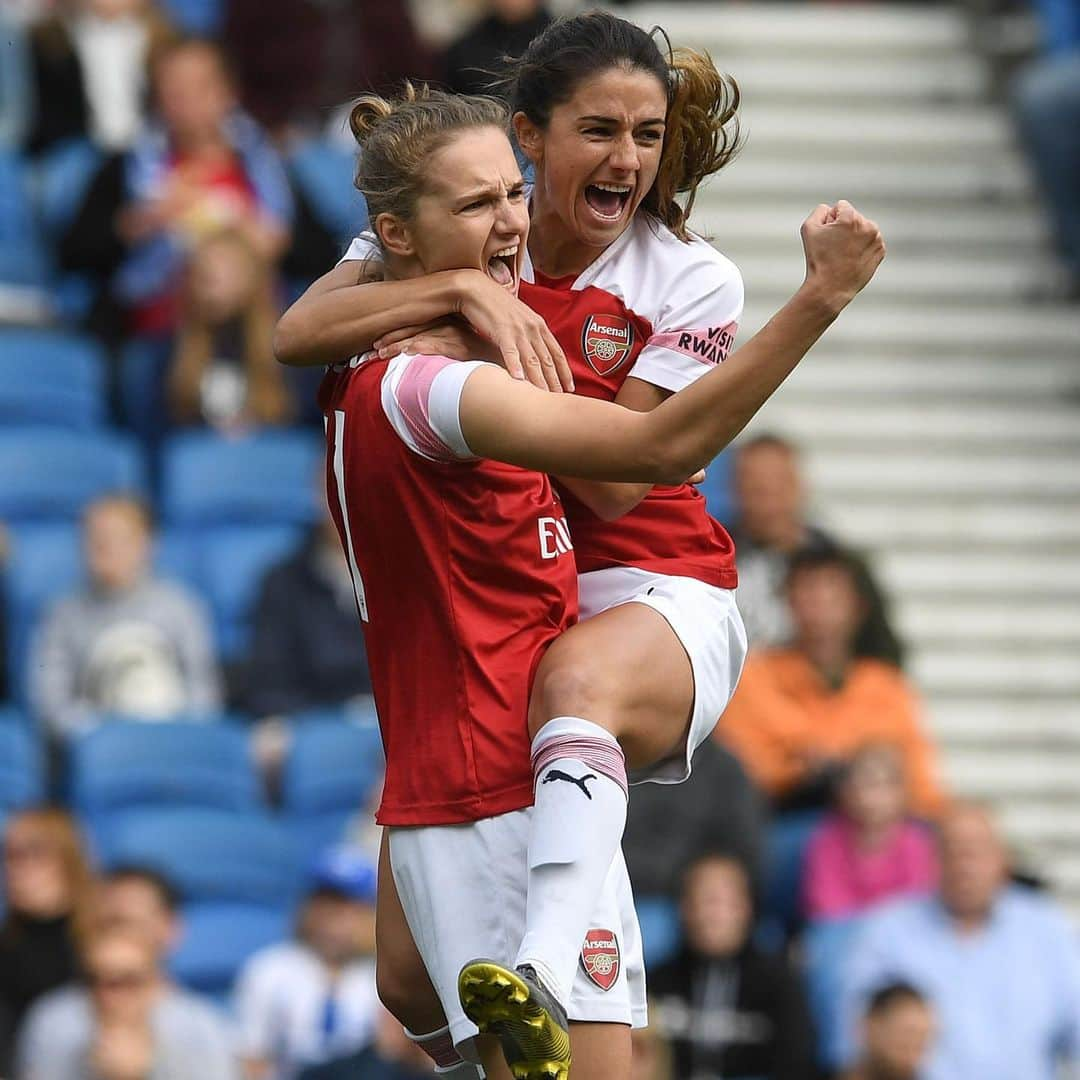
(626, 670)
(403, 983)
(600, 1052)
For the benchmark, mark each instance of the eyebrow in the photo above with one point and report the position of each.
(485, 192)
(613, 120)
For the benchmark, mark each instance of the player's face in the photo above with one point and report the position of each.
(600, 153)
(473, 214)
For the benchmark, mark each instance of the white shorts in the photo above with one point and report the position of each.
(463, 890)
(706, 621)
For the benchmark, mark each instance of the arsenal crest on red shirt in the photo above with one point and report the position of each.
(606, 341)
(600, 957)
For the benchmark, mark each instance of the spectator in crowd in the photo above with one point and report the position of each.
(729, 1008)
(998, 963)
(801, 712)
(315, 54)
(669, 826)
(129, 1022)
(478, 57)
(224, 373)
(47, 890)
(651, 1055)
(88, 60)
(128, 644)
(868, 850)
(1046, 96)
(306, 649)
(313, 1000)
(392, 1056)
(771, 527)
(896, 1034)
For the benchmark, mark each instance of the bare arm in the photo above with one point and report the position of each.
(347, 310)
(610, 501)
(599, 441)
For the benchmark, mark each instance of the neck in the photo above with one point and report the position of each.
(871, 837)
(830, 659)
(555, 251)
(201, 144)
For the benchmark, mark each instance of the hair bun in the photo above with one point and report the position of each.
(367, 114)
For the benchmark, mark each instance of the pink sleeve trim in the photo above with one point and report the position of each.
(709, 345)
(414, 400)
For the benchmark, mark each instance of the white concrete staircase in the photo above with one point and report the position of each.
(941, 414)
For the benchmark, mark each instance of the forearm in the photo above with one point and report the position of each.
(609, 501)
(693, 426)
(327, 325)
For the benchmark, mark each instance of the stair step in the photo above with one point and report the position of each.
(993, 721)
(978, 573)
(941, 423)
(767, 173)
(775, 29)
(990, 621)
(1045, 670)
(930, 377)
(874, 524)
(955, 478)
(1042, 822)
(1008, 775)
(868, 327)
(742, 231)
(858, 82)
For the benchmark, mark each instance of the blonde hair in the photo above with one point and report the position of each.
(398, 135)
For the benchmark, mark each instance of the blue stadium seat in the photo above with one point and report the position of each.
(218, 937)
(331, 766)
(63, 175)
(127, 764)
(785, 851)
(717, 488)
(22, 763)
(661, 931)
(210, 854)
(200, 17)
(51, 378)
(23, 257)
(324, 174)
(49, 476)
(44, 565)
(826, 947)
(232, 563)
(144, 363)
(265, 478)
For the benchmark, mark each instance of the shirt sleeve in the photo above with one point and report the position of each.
(364, 248)
(421, 396)
(696, 329)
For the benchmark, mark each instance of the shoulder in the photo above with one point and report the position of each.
(896, 921)
(691, 269)
(1029, 908)
(176, 595)
(282, 960)
(60, 1011)
(194, 1012)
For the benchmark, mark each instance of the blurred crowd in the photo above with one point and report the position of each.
(814, 901)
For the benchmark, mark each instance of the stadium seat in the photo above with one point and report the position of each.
(210, 854)
(22, 763)
(23, 257)
(200, 17)
(324, 174)
(219, 936)
(198, 762)
(661, 932)
(785, 851)
(49, 476)
(232, 563)
(63, 176)
(263, 479)
(331, 765)
(51, 378)
(826, 947)
(144, 362)
(717, 489)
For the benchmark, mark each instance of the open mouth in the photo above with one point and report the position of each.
(502, 265)
(608, 200)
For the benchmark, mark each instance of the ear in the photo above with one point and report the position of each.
(395, 235)
(530, 137)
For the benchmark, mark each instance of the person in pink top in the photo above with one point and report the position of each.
(868, 849)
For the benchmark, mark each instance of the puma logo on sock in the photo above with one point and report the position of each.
(558, 774)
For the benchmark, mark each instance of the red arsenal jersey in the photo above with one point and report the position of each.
(664, 311)
(464, 574)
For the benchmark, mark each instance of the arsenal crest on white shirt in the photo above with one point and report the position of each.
(600, 958)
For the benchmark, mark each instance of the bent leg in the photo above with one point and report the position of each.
(601, 1051)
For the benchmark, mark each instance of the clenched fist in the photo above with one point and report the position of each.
(843, 250)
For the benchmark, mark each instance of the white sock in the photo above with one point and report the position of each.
(579, 774)
(439, 1046)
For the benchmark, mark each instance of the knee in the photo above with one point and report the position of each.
(568, 685)
(393, 988)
